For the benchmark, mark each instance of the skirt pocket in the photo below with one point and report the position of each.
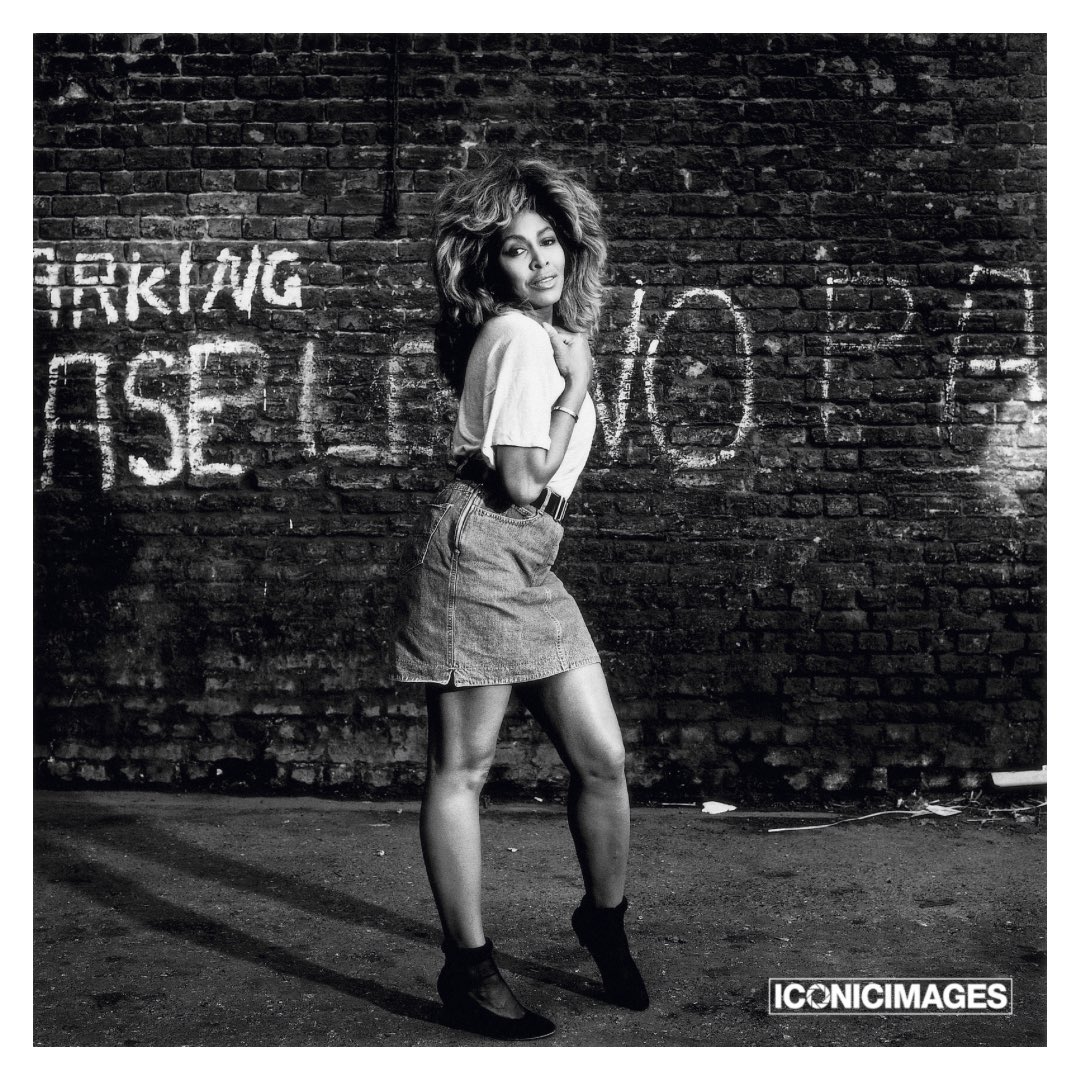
(414, 550)
(516, 548)
(512, 515)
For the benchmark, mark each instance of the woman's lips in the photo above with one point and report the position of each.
(543, 282)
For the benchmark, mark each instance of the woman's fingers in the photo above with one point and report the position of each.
(560, 341)
(573, 357)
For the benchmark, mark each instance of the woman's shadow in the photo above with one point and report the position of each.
(64, 863)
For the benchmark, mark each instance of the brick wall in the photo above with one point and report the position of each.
(811, 540)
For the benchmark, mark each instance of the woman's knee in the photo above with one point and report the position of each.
(463, 772)
(603, 764)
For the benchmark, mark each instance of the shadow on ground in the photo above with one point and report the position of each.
(218, 921)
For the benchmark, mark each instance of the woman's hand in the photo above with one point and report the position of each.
(573, 357)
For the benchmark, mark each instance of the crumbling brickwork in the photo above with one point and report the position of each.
(810, 541)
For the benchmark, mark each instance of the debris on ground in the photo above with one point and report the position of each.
(916, 805)
(1022, 778)
(830, 824)
(716, 808)
(1026, 808)
(1023, 813)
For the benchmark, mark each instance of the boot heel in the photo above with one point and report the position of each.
(600, 930)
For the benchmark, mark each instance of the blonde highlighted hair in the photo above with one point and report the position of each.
(471, 212)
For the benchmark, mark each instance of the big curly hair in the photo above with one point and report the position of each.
(471, 211)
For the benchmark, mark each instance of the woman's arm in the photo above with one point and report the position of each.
(525, 470)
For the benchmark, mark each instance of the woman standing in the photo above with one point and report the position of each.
(517, 260)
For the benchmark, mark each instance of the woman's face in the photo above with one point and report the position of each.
(532, 262)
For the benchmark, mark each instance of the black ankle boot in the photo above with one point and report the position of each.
(461, 983)
(601, 931)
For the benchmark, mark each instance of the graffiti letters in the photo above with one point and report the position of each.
(104, 288)
(196, 393)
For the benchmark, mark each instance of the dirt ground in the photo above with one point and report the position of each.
(208, 920)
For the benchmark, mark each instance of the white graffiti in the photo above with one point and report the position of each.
(96, 292)
(613, 420)
(89, 274)
(613, 427)
(399, 379)
(138, 403)
(839, 343)
(186, 441)
(189, 413)
(201, 406)
(699, 458)
(992, 364)
(306, 406)
(836, 345)
(100, 427)
(1014, 459)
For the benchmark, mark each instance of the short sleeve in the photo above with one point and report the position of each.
(520, 413)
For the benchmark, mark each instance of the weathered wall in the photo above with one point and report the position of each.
(811, 539)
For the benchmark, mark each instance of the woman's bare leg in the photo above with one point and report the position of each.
(463, 729)
(575, 708)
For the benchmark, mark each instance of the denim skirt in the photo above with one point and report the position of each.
(477, 601)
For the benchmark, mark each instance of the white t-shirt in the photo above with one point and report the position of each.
(511, 382)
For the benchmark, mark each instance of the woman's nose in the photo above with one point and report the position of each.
(537, 259)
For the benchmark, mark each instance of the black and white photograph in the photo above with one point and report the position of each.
(539, 537)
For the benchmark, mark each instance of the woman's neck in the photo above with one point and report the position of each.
(540, 314)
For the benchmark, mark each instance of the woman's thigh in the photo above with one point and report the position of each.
(574, 708)
(463, 725)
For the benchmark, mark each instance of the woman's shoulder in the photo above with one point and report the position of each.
(510, 326)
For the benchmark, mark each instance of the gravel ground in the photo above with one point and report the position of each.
(210, 920)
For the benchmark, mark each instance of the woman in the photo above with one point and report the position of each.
(517, 260)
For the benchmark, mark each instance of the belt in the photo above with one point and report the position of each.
(476, 471)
